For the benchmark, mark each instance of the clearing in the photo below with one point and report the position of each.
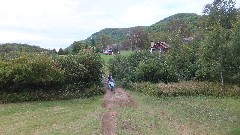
(123, 113)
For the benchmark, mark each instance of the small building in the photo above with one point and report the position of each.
(159, 46)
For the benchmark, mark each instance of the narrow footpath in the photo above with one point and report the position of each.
(113, 99)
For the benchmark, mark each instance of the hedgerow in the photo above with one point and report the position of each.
(189, 88)
(30, 77)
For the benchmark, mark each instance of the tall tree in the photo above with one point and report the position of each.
(105, 40)
(138, 38)
(221, 12)
(235, 54)
(214, 54)
(77, 46)
(60, 51)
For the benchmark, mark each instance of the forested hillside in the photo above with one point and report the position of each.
(189, 19)
(118, 35)
(15, 47)
(8, 47)
(142, 35)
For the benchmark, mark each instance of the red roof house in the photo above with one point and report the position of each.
(159, 46)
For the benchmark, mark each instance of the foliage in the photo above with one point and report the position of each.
(63, 51)
(189, 88)
(77, 46)
(154, 70)
(13, 47)
(28, 77)
(190, 19)
(222, 12)
(30, 71)
(234, 55)
(181, 59)
(216, 57)
(141, 66)
(84, 69)
(117, 35)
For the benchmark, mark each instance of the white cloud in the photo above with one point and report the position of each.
(57, 23)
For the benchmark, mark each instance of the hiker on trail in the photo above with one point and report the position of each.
(111, 82)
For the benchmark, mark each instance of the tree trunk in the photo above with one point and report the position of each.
(222, 82)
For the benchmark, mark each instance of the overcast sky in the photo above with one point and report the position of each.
(57, 23)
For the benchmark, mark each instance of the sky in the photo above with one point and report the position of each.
(58, 23)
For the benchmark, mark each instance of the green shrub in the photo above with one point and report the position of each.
(141, 66)
(49, 95)
(83, 70)
(31, 77)
(189, 88)
(30, 71)
(145, 87)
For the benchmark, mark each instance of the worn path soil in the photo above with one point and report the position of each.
(113, 99)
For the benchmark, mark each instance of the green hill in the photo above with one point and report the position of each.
(10, 47)
(119, 35)
(191, 19)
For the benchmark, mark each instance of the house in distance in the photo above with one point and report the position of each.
(159, 46)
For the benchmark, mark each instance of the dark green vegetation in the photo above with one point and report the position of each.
(40, 76)
(140, 67)
(210, 55)
(14, 47)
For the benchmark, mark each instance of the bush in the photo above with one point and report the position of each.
(145, 87)
(30, 77)
(49, 95)
(30, 71)
(83, 70)
(186, 89)
(141, 66)
(154, 70)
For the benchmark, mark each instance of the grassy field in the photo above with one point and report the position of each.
(180, 115)
(107, 57)
(79, 116)
(169, 115)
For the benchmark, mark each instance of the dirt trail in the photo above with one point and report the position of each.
(111, 100)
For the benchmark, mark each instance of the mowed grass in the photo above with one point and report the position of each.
(106, 59)
(180, 115)
(78, 116)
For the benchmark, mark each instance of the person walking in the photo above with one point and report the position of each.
(111, 82)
